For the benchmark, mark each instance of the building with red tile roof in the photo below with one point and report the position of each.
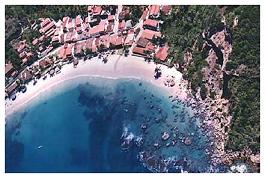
(151, 24)
(98, 29)
(129, 40)
(121, 25)
(142, 42)
(111, 18)
(25, 76)
(11, 88)
(44, 63)
(45, 22)
(154, 10)
(21, 46)
(162, 53)
(78, 21)
(65, 21)
(138, 50)
(47, 27)
(150, 34)
(22, 54)
(35, 41)
(166, 9)
(8, 69)
(96, 10)
(143, 17)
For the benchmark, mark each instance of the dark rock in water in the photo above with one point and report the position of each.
(165, 136)
(143, 126)
(187, 141)
(140, 84)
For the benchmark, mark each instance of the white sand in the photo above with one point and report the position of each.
(116, 67)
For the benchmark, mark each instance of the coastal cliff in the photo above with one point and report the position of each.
(220, 61)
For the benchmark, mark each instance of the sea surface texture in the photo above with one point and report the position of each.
(105, 125)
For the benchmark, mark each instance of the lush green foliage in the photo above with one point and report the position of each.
(52, 11)
(245, 99)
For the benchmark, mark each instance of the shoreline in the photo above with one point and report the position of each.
(117, 67)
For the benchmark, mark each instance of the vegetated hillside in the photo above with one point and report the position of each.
(183, 29)
(245, 89)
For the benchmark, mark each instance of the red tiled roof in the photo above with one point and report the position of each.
(97, 29)
(89, 8)
(143, 17)
(154, 9)
(65, 20)
(121, 25)
(35, 41)
(41, 38)
(97, 10)
(78, 20)
(45, 22)
(23, 54)
(55, 39)
(44, 63)
(139, 50)
(150, 22)
(149, 34)
(142, 42)
(8, 67)
(111, 17)
(162, 53)
(166, 9)
(47, 27)
(89, 43)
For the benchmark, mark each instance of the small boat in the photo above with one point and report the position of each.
(39, 147)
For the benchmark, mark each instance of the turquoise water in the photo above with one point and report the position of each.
(105, 125)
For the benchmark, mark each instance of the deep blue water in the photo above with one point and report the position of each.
(80, 126)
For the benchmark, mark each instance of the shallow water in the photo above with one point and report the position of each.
(79, 128)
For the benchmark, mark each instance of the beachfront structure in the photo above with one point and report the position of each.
(25, 76)
(11, 88)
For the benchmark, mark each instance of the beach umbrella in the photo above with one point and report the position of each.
(52, 72)
(13, 97)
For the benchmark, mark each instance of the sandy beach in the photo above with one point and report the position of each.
(116, 67)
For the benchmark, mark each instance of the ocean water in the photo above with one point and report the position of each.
(105, 125)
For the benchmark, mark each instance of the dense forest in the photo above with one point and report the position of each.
(245, 88)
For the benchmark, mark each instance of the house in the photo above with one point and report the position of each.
(35, 41)
(97, 30)
(11, 88)
(166, 9)
(111, 18)
(142, 42)
(47, 27)
(78, 21)
(121, 25)
(44, 63)
(116, 41)
(162, 53)
(139, 50)
(45, 22)
(21, 46)
(25, 76)
(110, 28)
(154, 11)
(9, 69)
(150, 34)
(129, 40)
(96, 10)
(151, 24)
(144, 15)
(78, 48)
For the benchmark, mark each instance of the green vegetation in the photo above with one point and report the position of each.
(183, 29)
(35, 12)
(245, 99)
